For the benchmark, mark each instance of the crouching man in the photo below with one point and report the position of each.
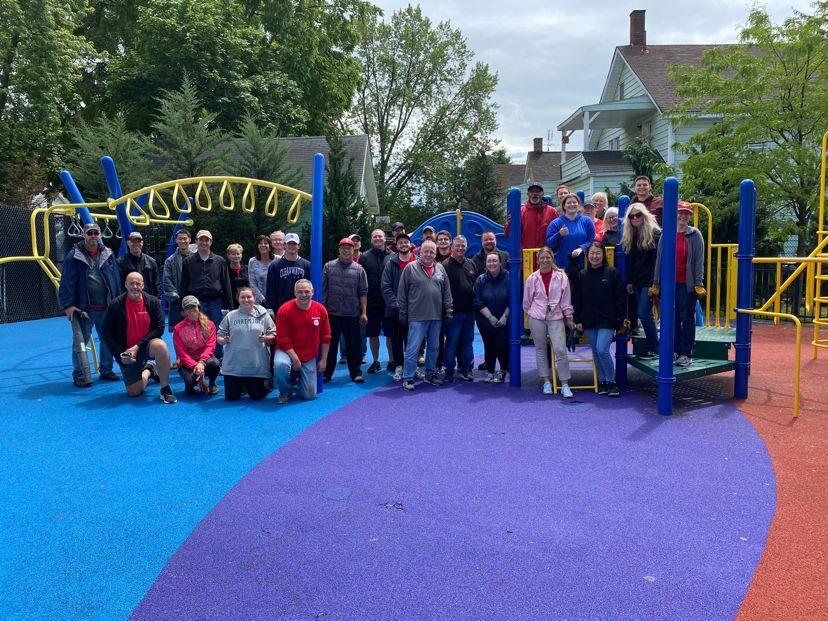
(133, 326)
(301, 328)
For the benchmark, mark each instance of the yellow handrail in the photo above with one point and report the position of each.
(798, 364)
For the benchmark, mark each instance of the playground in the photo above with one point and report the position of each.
(472, 501)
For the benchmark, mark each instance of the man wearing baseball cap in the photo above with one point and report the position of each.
(207, 276)
(135, 260)
(284, 273)
(89, 282)
(397, 229)
(535, 216)
(345, 296)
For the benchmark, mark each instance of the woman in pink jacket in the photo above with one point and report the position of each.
(195, 343)
(547, 299)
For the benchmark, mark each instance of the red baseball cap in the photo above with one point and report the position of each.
(685, 206)
(346, 241)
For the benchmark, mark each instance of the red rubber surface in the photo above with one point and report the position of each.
(791, 581)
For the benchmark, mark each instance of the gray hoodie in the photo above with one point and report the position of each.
(245, 355)
(695, 259)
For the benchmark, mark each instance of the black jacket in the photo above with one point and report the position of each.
(599, 298)
(144, 265)
(479, 260)
(391, 275)
(373, 262)
(207, 280)
(461, 278)
(641, 263)
(242, 280)
(115, 323)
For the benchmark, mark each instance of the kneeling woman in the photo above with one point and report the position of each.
(194, 338)
(547, 299)
(600, 309)
(246, 333)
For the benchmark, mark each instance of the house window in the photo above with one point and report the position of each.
(615, 144)
(621, 91)
(646, 130)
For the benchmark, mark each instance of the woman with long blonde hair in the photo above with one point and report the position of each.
(640, 241)
(194, 338)
(547, 299)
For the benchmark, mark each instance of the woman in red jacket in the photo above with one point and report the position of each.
(195, 342)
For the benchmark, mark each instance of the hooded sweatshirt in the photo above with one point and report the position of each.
(245, 355)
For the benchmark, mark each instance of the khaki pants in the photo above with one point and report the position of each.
(556, 331)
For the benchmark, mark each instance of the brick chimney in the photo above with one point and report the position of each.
(638, 33)
(537, 145)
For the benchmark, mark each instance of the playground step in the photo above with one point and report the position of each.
(711, 343)
(700, 367)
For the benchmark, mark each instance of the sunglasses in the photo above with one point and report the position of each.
(92, 232)
(636, 214)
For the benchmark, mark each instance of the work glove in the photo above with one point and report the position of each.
(493, 320)
(654, 291)
(701, 292)
(624, 327)
(502, 321)
(449, 315)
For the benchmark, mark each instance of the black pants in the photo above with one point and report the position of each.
(495, 348)
(348, 327)
(399, 339)
(211, 371)
(255, 387)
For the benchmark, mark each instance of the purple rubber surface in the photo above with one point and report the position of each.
(485, 502)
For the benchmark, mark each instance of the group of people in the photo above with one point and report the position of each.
(257, 324)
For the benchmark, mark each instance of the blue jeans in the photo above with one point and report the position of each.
(213, 311)
(304, 378)
(685, 321)
(417, 331)
(105, 360)
(600, 340)
(644, 306)
(459, 343)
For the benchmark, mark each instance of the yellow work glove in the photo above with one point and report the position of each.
(655, 290)
(701, 292)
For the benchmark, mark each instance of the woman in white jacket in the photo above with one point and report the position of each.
(547, 299)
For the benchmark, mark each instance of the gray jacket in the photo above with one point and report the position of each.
(343, 284)
(695, 259)
(420, 298)
(171, 279)
(245, 355)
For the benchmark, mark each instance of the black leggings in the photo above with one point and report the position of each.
(255, 387)
(495, 348)
(211, 371)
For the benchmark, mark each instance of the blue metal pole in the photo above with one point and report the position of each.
(665, 376)
(621, 266)
(744, 285)
(75, 196)
(318, 193)
(113, 182)
(581, 196)
(515, 305)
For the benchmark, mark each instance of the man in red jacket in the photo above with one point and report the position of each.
(535, 216)
(301, 327)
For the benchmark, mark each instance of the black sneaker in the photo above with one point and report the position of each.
(612, 390)
(343, 361)
(391, 367)
(408, 384)
(602, 388)
(481, 366)
(466, 376)
(110, 376)
(167, 395)
(374, 367)
(326, 379)
(433, 380)
(81, 383)
(153, 372)
(448, 378)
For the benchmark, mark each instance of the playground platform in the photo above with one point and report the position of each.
(464, 502)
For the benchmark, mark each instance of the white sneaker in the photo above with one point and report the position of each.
(397, 374)
(498, 378)
(683, 361)
(419, 373)
(547, 387)
(490, 377)
(566, 393)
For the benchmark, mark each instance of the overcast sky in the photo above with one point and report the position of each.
(552, 56)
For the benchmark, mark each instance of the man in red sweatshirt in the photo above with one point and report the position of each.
(535, 216)
(301, 327)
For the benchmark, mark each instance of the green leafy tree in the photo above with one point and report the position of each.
(422, 102)
(641, 156)
(41, 61)
(770, 96)
(105, 136)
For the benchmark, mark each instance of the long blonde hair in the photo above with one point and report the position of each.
(646, 240)
(547, 250)
(204, 322)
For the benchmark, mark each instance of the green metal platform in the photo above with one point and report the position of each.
(710, 355)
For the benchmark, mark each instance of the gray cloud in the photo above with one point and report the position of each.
(552, 58)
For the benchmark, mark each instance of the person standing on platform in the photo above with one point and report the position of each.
(391, 274)
(640, 241)
(459, 330)
(303, 336)
(570, 235)
(89, 282)
(171, 277)
(345, 296)
(137, 261)
(644, 194)
(609, 236)
(535, 217)
(489, 242)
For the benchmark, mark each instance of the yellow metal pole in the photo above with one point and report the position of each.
(718, 285)
(778, 302)
(459, 215)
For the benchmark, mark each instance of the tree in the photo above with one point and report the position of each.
(421, 102)
(345, 211)
(482, 191)
(641, 156)
(770, 96)
(41, 60)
